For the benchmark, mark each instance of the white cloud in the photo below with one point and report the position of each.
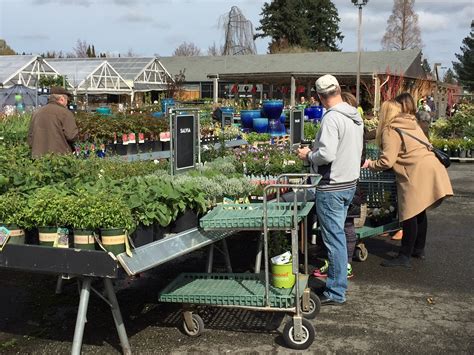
(431, 22)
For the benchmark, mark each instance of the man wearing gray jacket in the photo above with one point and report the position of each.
(336, 157)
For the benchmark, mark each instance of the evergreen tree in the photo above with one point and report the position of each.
(88, 51)
(5, 48)
(426, 66)
(449, 77)
(465, 67)
(402, 30)
(93, 52)
(311, 24)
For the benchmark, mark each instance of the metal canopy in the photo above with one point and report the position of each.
(24, 70)
(92, 76)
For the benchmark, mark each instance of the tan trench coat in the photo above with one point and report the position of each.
(422, 181)
(52, 128)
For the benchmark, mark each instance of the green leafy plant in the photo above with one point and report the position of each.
(13, 209)
(47, 206)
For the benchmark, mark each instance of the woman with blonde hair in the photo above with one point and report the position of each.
(422, 181)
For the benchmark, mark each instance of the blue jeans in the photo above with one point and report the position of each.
(331, 208)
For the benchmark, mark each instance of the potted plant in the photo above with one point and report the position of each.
(12, 212)
(46, 209)
(115, 223)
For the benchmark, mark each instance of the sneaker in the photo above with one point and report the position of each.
(322, 271)
(350, 273)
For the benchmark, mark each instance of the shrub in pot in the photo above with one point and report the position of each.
(12, 216)
(115, 222)
(46, 210)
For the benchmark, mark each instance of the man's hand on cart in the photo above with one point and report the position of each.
(303, 153)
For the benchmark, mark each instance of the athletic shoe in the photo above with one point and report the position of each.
(322, 272)
(350, 273)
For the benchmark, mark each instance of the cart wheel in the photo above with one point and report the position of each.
(314, 306)
(361, 253)
(198, 326)
(308, 335)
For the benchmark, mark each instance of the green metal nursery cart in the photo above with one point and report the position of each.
(378, 189)
(254, 291)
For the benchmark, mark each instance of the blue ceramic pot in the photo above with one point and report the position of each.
(273, 109)
(247, 116)
(260, 125)
(166, 103)
(157, 114)
(283, 118)
(274, 127)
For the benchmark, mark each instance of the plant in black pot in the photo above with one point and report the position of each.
(12, 216)
(46, 210)
(116, 222)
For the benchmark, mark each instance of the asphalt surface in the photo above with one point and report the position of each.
(428, 309)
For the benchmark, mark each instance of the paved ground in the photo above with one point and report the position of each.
(428, 309)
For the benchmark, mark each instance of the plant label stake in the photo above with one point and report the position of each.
(296, 127)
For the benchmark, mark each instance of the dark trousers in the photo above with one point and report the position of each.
(351, 237)
(414, 234)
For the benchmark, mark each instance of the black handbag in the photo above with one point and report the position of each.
(442, 156)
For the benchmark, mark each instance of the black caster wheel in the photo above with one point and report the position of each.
(307, 339)
(198, 326)
(361, 253)
(314, 306)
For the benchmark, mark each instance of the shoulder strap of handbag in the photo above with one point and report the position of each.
(429, 146)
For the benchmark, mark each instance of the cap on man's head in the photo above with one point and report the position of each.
(326, 83)
(58, 90)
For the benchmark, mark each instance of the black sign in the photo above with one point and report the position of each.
(296, 126)
(184, 141)
(227, 119)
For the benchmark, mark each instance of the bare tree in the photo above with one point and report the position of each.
(186, 49)
(402, 30)
(214, 50)
(130, 53)
(80, 50)
(239, 33)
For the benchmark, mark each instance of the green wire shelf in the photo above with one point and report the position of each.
(250, 216)
(219, 289)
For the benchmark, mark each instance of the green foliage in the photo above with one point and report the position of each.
(14, 129)
(13, 208)
(267, 160)
(48, 81)
(312, 24)
(458, 126)
(311, 130)
(253, 137)
(465, 67)
(47, 207)
(97, 209)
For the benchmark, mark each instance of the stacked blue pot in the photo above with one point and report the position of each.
(247, 117)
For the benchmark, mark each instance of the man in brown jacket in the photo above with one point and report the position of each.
(53, 126)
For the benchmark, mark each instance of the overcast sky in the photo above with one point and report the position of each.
(157, 27)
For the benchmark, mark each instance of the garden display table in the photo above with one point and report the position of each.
(86, 265)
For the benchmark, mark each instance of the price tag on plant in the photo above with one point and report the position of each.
(141, 138)
(131, 138)
(62, 241)
(125, 139)
(4, 236)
